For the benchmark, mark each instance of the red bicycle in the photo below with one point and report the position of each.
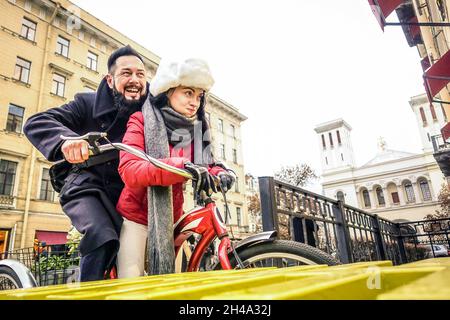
(205, 220)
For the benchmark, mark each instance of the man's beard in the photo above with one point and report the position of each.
(126, 107)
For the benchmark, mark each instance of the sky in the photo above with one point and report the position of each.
(288, 65)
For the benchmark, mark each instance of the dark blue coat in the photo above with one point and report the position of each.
(89, 196)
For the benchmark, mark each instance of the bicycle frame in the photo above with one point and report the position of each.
(207, 222)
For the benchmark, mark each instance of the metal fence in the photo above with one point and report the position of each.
(345, 232)
(50, 264)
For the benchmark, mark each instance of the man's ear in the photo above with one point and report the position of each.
(110, 80)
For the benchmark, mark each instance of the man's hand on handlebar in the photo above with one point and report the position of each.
(202, 180)
(75, 151)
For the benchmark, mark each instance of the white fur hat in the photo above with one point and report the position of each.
(183, 72)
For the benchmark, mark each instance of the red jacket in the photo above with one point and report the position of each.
(137, 174)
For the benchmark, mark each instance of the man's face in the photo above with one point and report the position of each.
(128, 77)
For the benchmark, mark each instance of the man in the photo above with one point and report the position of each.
(93, 185)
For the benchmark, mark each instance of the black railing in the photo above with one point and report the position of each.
(345, 232)
(49, 265)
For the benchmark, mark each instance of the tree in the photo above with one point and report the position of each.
(444, 202)
(298, 175)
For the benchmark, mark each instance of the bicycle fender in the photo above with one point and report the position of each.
(23, 273)
(259, 237)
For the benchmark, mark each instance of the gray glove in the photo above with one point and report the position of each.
(202, 180)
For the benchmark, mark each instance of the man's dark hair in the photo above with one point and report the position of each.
(124, 51)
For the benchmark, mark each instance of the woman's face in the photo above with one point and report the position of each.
(185, 100)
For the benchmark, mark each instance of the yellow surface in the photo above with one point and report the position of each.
(427, 279)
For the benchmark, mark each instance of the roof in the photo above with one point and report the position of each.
(387, 155)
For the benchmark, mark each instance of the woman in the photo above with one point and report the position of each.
(172, 128)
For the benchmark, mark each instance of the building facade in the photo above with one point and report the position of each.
(49, 52)
(394, 184)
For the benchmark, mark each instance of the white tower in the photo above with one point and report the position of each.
(430, 119)
(336, 149)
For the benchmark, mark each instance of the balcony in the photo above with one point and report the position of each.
(442, 153)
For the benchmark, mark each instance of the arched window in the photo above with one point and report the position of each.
(433, 112)
(425, 190)
(366, 198)
(338, 137)
(424, 119)
(331, 139)
(409, 190)
(380, 196)
(340, 196)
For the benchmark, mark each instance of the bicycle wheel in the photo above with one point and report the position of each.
(281, 254)
(9, 279)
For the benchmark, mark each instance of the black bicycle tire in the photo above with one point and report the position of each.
(284, 246)
(5, 270)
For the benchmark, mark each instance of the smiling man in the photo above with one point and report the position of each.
(91, 189)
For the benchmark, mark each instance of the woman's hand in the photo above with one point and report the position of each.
(202, 180)
(226, 180)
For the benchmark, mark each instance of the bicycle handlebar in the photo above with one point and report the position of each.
(93, 137)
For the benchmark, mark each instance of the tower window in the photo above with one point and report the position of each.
(433, 112)
(422, 115)
(323, 142)
(338, 136)
(331, 139)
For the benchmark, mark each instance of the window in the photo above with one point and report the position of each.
(323, 142)
(22, 71)
(62, 46)
(340, 196)
(47, 193)
(15, 119)
(233, 131)
(425, 189)
(380, 196)
(342, 157)
(92, 60)
(59, 83)
(331, 139)
(236, 185)
(433, 112)
(395, 198)
(409, 192)
(422, 115)
(366, 198)
(429, 138)
(28, 29)
(7, 177)
(238, 216)
(220, 125)
(234, 155)
(326, 160)
(338, 137)
(222, 151)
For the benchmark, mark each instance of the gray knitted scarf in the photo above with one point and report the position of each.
(157, 125)
(160, 244)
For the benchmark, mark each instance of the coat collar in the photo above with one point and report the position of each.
(104, 100)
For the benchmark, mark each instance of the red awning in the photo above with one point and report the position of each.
(383, 8)
(445, 131)
(437, 76)
(425, 63)
(51, 237)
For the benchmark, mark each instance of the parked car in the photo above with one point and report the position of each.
(436, 250)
